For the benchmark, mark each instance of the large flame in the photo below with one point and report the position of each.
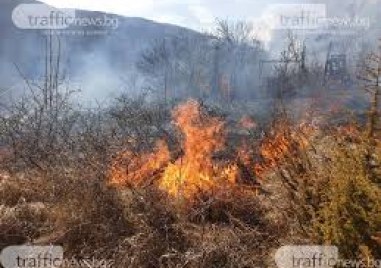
(195, 170)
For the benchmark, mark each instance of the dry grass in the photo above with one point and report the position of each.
(69, 201)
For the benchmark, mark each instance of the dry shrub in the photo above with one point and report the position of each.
(23, 212)
(156, 232)
(83, 215)
(227, 225)
(331, 190)
(350, 207)
(90, 220)
(26, 187)
(21, 223)
(230, 230)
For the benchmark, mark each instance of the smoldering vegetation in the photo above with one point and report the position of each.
(223, 157)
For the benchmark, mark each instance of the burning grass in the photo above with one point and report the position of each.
(210, 193)
(196, 170)
(283, 142)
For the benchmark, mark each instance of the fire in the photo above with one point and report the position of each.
(282, 142)
(194, 171)
(132, 169)
(196, 168)
(272, 151)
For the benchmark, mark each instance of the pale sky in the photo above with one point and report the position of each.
(196, 14)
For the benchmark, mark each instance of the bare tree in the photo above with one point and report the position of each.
(370, 75)
(156, 62)
(236, 57)
(220, 64)
(40, 122)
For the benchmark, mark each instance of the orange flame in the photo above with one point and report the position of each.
(283, 142)
(195, 171)
(132, 169)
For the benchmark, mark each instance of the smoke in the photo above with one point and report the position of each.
(103, 66)
(358, 10)
(353, 28)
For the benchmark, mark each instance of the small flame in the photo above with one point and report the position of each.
(132, 169)
(283, 142)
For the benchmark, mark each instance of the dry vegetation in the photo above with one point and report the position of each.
(189, 186)
(127, 184)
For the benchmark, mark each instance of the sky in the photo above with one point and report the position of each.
(201, 15)
(196, 14)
